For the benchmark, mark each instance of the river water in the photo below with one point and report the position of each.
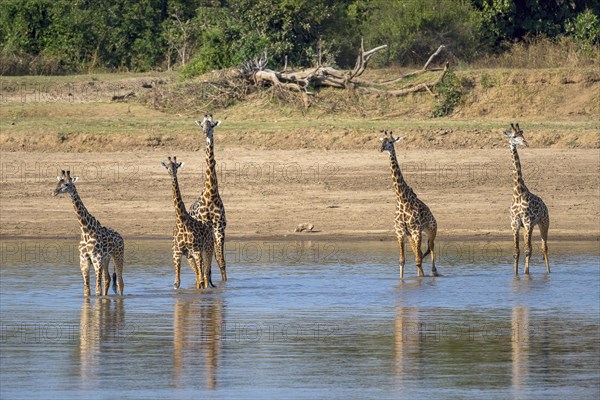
(303, 320)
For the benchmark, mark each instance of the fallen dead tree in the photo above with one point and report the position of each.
(419, 71)
(321, 76)
(225, 87)
(421, 87)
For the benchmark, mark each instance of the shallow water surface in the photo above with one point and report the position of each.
(302, 320)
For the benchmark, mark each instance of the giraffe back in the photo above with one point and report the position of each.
(104, 240)
(191, 235)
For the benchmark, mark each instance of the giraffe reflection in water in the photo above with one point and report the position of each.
(407, 342)
(197, 340)
(520, 347)
(523, 331)
(102, 329)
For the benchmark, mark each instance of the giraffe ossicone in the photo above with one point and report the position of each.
(207, 124)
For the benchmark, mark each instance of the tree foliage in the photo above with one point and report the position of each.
(414, 29)
(200, 35)
(510, 20)
(585, 29)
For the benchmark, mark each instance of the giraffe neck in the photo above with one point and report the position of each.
(177, 200)
(211, 187)
(403, 192)
(87, 221)
(519, 184)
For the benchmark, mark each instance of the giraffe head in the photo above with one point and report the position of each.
(207, 125)
(172, 166)
(66, 183)
(387, 142)
(515, 136)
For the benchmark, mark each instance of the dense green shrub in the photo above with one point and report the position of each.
(585, 30)
(508, 21)
(449, 95)
(414, 29)
(213, 54)
(79, 36)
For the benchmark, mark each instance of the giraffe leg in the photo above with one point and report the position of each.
(402, 255)
(177, 267)
(219, 234)
(207, 265)
(431, 247)
(527, 240)
(97, 263)
(84, 265)
(516, 250)
(195, 261)
(208, 248)
(199, 260)
(544, 234)
(118, 260)
(106, 275)
(416, 246)
(206, 270)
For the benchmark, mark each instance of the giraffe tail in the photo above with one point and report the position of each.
(427, 252)
(114, 282)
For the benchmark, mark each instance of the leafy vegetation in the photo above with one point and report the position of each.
(585, 30)
(64, 36)
(487, 81)
(413, 29)
(449, 95)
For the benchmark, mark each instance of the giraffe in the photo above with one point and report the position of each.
(98, 243)
(191, 237)
(527, 209)
(413, 217)
(209, 207)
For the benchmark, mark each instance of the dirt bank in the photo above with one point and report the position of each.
(558, 108)
(267, 193)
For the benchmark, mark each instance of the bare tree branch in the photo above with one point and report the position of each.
(321, 76)
(419, 71)
(362, 60)
(433, 56)
(417, 88)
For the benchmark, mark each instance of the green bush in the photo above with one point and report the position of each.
(250, 48)
(213, 54)
(15, 63)
(449, 95)
(487, 81)
(415, 29)
(585, 30)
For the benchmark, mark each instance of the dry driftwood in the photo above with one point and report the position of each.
(413, 89)
(321, 76)
(419, 71)
(433, 56)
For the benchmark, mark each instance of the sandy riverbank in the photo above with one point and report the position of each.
(267, 193)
